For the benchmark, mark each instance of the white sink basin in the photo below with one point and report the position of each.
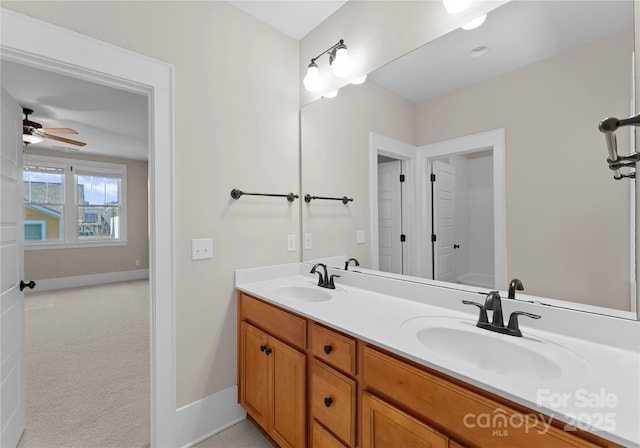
(458, 343)
(303, 293)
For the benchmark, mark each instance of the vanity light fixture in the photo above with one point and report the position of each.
(339, 61)
(330, 94)
(474, 23)
(359, 80)
(456, 6)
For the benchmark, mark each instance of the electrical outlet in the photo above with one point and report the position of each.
(360, 237)
(308, 241)
(201, 249)
(291, 243)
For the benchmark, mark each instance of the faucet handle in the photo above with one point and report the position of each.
(482, 318)
(513, 325)
(332, 285)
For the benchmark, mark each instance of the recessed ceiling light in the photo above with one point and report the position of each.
(479, 51)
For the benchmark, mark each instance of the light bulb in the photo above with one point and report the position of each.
(312, 81)
(359, 80)
(474, 23)
(456, 6)
(341, 64)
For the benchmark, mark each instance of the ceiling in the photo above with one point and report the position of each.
(114, 122)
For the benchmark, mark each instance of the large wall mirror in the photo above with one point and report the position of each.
(506, 117)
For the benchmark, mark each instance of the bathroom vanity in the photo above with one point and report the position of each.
(348, 368)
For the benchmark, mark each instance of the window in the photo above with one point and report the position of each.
(73, 203)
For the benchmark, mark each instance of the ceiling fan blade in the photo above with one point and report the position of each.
(59, 130)
(62, 139)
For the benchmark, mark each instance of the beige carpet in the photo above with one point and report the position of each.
(87, 367)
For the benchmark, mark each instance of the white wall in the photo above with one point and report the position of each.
(236, 126)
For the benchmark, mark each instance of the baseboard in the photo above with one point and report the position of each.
(201, 419)
(51, 284)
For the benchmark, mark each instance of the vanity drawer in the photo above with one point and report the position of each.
(455, 409)
(333, 401)
(322, 438)
(283, 325)
(334, 348)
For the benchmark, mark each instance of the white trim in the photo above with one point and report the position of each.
(494, 139)
(35, 43)
(77, 281)
(201, 419)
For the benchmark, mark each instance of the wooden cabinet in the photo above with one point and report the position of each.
(384, 425)
(296, 376)
(272, 379)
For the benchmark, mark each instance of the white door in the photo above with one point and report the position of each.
(12, 350)
(444, 221)
(390, 217)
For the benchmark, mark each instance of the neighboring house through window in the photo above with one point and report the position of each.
(70, 202)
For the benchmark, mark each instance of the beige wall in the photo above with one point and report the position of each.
(55, 263)
(567, 219)
(236, 114)
(335, 163)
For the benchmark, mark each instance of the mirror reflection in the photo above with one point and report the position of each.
(507, 116)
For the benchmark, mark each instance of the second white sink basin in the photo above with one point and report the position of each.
(459, 343)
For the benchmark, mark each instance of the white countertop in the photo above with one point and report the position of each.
(603, 398)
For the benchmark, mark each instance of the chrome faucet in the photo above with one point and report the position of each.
(514, 285)
(324, 281)
(494, 303)
(346, 264)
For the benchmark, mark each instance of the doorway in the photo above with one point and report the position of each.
(89, 59)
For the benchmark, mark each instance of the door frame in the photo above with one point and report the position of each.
(494, 140)
(390, 147)
(35, 43)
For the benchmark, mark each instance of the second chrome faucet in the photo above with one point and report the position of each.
(493, 303)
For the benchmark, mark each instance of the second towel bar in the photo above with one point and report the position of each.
(344, 199)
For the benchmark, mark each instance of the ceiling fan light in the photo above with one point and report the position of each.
(456, 6)
(340, 63)
(30, 139)
(312, 81)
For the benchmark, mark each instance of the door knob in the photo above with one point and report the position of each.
(29, 285)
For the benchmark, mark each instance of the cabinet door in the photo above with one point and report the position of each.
(254, 373)
(289, 393)
(385, 426)
(322, 439)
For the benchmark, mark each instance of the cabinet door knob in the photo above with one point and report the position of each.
(328, 349)
(263, 348)
(328, 401)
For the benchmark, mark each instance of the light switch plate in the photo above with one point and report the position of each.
(360, 237)
(201, 249)
(291, 243)
(308, 241)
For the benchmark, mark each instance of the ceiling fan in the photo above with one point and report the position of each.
(33, 132)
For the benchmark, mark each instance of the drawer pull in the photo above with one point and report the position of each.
(328, 401)
(328, 349)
